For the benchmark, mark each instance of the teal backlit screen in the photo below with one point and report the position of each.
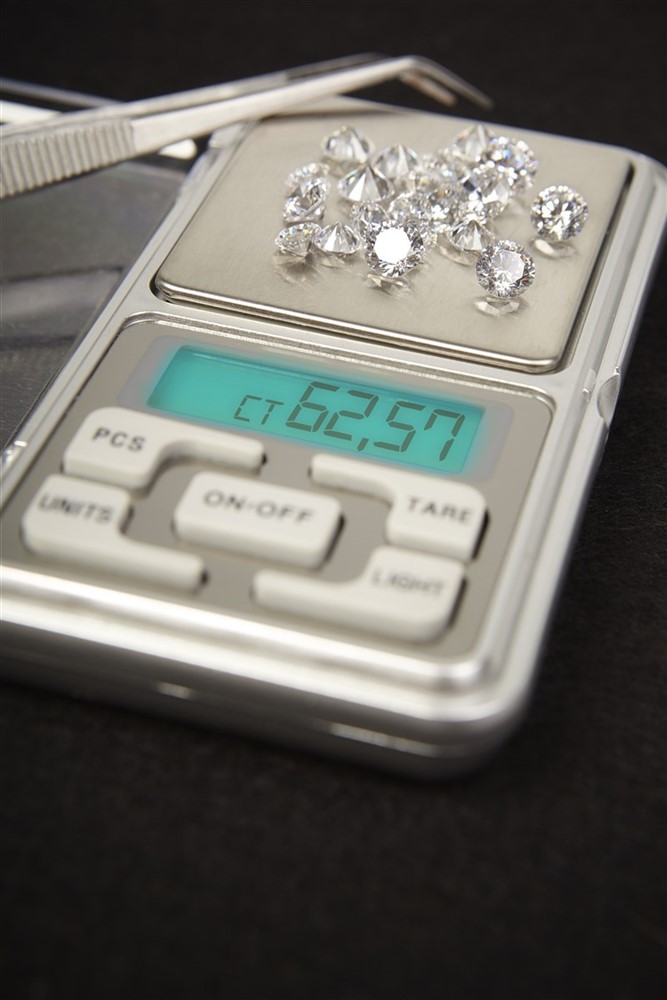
(328, 412)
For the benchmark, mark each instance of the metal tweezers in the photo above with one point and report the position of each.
(77, 142)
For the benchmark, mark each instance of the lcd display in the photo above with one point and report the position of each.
(429, 432)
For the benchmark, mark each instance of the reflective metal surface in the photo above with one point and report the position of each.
(226, 258)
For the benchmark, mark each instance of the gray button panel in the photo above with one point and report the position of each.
(374, 507)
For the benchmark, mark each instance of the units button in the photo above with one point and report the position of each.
(258, 519)
(81, 523)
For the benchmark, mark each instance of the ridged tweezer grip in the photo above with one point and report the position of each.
(29, 162)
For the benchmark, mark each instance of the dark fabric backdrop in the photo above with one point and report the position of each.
(143, 858)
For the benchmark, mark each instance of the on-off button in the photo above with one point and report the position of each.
(257, 518)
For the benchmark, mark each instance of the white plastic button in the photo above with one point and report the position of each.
(405, 595)
(257, 518)
(127, 448)
(80, 522)
(428, 513)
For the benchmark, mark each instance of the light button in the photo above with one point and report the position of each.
(429, 513)
(403, 595)
(127, 448)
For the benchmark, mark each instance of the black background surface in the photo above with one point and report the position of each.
(145, 859)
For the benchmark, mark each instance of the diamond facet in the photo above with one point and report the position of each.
(346, 148)
(369, 218)
(426, 178)
(309, 172)
(470, 234)
(439, 191)
(297, 239)
(470, 144)
(337, 239)
(414, 210)
(487, 190)
(364, 184)
(559, 213)
(505, 270)
(446, 205)
(307, 200)
(395, 250)
(516, 158)
(395, 161)
(443, 163)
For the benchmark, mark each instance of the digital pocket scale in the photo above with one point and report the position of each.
(272, 497)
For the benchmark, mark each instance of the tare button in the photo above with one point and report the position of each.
(127, 448)
(404, 595)
(258, 519)
(427, 512)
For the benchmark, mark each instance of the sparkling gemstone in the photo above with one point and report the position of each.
(364, 184)
(311, 171)
(505, 270)
(426, 178)
(559, 213)
(369, 218)
(487, 190)
(395, 161)
(470, 234)
(394, 250)
(469, 145)
(516, 158)
(498, 307)
(445, 203)
(346, 148)
(414, 210)
(307, 200)
(438, 191)
(337, 239)
(297, 239)
(451, 167)
(443, 163)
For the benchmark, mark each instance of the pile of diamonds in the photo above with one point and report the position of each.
(400, 203)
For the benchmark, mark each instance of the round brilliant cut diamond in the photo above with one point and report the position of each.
(337, 239)
(469, 234)
(559, 213)
(439, 191)
(364, 184)
(414, 210)
(394, 251)
(505, 270)
(395, 161)
(307, 200)
(516, 158)
(442, 163)
(487, 190)
(426, 178)
(446, 204)
(469, 145)
(309, 172)
(297, 240)
(369, 218)
(346, 148)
